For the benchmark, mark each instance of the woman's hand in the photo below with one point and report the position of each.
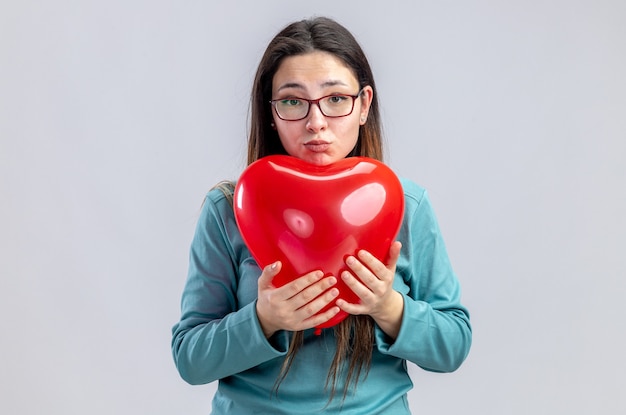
(294, 306)
(372, 281)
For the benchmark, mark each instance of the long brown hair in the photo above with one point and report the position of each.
(354, 335)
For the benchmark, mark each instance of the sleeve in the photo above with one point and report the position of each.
(214, 337)
(435, 332)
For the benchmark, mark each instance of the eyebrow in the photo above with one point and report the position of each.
(325, 84)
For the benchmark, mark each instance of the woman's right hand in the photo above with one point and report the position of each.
(295, 305)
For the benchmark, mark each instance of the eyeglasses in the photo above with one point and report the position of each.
(332, 106)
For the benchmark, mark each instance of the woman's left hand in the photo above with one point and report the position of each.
(372, 281)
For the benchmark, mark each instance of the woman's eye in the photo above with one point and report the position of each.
(291, 102)
(336, 99)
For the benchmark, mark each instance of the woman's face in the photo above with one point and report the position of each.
(319, 139)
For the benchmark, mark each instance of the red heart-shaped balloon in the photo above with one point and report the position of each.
(312, 217)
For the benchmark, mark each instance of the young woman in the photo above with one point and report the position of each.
(314, 98)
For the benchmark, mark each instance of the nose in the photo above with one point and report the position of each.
(316, 121)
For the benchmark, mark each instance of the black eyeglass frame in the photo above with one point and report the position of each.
(317, 102)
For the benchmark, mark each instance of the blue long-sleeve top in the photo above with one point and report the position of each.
(219, 336)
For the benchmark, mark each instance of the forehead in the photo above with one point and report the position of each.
(313, 70)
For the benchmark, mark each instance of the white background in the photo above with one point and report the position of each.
(117, 116)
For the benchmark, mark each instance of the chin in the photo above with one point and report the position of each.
(320, 159)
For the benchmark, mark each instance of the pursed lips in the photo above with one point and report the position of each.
(317, 146)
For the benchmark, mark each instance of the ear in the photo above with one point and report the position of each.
(366, 101)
